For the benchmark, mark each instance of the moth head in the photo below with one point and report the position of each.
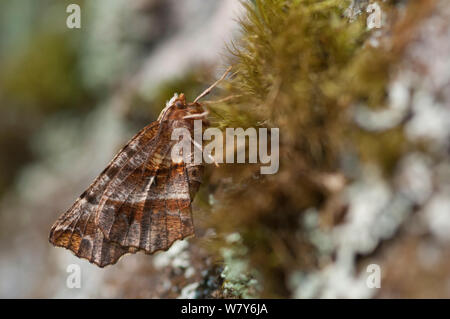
(196, 111)
(180, 102)
(178, 109)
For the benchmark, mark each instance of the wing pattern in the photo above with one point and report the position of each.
(140, 202)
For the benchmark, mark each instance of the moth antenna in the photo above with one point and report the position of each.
(208, 90)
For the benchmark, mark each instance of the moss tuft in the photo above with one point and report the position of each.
(303, 67)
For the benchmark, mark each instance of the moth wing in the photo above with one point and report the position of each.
(150, 207)
(76, 229)
(140, 202)
(86, 240)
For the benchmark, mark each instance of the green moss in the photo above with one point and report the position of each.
(300, 66)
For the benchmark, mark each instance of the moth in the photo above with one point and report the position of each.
(142, 199)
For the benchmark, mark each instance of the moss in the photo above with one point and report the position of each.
(303, 67)
(384, 149)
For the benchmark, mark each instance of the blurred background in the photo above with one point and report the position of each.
(360, 90)
(70, 98)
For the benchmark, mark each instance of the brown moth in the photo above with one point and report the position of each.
(142, 200)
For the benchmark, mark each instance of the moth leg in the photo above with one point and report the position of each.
(191, 116)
